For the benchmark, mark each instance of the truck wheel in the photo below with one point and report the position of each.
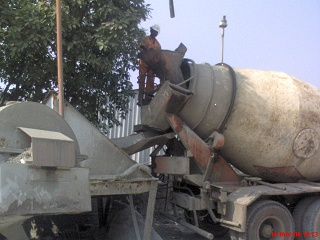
(299, 212)
(267, 219)
(311, 221)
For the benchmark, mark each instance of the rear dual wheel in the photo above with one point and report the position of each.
(306, 216)
(267, 219)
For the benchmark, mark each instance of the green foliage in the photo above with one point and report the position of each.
(100, 44)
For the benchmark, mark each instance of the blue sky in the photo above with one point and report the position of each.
(278, 35)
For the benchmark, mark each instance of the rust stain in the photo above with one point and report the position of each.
(199, 149)
(176, 123)
(223, 172)
(280, 174)
(201, 152)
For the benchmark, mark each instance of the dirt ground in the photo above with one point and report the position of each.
(168, 230)
(165, 227)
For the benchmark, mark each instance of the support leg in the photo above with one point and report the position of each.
(134, 218)
(150, 209)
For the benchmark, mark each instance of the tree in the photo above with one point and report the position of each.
(100, 44)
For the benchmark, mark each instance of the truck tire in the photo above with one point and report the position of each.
(299, 212)
(311, 221)
(266, 219)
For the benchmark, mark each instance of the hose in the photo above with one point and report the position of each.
(233, 96)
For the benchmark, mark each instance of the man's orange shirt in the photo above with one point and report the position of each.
(149, 43)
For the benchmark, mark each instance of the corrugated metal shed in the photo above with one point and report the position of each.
(126, 129)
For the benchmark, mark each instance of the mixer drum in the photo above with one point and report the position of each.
(273, 129)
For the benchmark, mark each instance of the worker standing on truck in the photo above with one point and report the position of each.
(148, 42)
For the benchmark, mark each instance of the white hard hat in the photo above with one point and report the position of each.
(156, 27)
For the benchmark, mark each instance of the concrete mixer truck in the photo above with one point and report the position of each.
(240, 147)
